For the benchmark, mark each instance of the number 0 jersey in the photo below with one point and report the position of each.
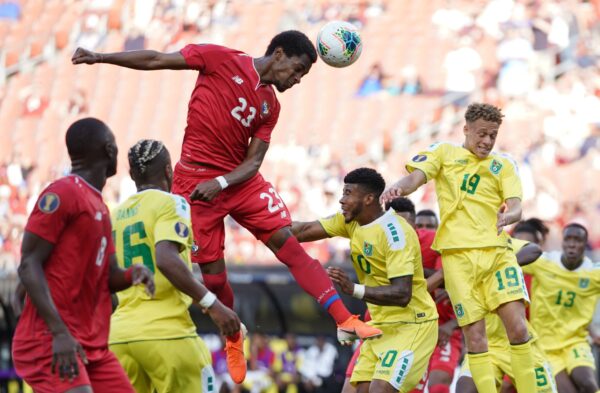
(470, 192)
(140, 222)
(386, 248)
(563, 300)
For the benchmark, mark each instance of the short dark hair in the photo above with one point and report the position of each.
(576, 225)
(402, 205)
(293, 43)
(368, 178)
(534, 226)
(84, 135)
(142, 155)
(427, 212)
(483, 111)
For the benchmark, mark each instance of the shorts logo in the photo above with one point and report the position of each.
(368, 249)
(49, 203)
(458, 310)
(264, 108)
(195, 247)
(419, 158)
(181, 229)
(584, 283)
(495, 167)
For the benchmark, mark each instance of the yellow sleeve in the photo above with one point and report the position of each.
(173, 221)
(335, 225)
(510, 180)
(428, 161)
(402, 254)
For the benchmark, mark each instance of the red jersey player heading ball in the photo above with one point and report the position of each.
(234, 102)
(68, 269)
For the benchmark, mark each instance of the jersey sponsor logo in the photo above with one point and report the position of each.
(264, 109)
(419, 158)
(495, 167)
(368, 249)
(49, 203)
(584, 283)
(462, 161)
(459, 311)
(237, 79)
(181, 229)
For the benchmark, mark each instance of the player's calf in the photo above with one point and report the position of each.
(584, 379)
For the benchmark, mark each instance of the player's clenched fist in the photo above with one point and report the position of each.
(64, 356)
(206, 191)
(85, 56)
(225, 318)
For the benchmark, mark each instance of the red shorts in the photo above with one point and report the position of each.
(254, 204)
(33, 362)
(446, 358)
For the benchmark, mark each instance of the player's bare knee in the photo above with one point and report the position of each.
(475, 337)
(585, 379)
(438, 377)
(466, 385)
(278, 239)
(517, 333)
(216, 267)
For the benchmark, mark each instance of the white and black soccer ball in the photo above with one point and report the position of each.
(339, 44)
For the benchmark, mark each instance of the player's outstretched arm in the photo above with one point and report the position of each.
(175, 270)
(509, 213)
(35, 251)
(405, 186)
(398, 293)
(308, 231)
(207, 190)
(137, 59)
(529, 254)
(121, 279)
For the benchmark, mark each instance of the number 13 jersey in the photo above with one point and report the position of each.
(470, 192)
(228, 106)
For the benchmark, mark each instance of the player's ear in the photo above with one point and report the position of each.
(465, 129)
(111, 149)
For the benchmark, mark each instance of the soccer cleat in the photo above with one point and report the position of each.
(353, 328)
(236, 361)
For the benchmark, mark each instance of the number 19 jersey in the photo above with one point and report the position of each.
(563, 300)
(470, 191)
(140, 222)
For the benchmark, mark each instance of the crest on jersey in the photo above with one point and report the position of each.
(458, 310)
(584, 283)
(264, 108)
(419, 158)
(368, 249)
(49, 202)
(181, 229)
(495, 167)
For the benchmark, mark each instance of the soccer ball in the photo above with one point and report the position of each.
(339, 44)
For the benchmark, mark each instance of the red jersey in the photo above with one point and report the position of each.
(228, 106)
(71, 215)
(432, 260)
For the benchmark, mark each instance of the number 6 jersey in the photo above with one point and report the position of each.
(470, 192)
(228, 106)
(139, 223)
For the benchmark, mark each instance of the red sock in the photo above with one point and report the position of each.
(439, 389)
(219, 285)
(311, 276)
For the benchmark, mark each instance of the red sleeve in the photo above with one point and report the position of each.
(266, 129)
(206, 57)
(429, 256)
(52, 212)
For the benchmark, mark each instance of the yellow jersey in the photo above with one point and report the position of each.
(563, 300)
(140, 222)
(494, 328)
(382, 250)
(470, 192)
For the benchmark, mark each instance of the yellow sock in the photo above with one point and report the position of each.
(523, 368)
(480, 365)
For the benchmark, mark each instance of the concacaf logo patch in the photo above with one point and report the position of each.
(181, 229)
(495, 167)
(419, 158)
(49, 203)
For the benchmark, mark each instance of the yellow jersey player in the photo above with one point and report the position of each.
(386, 255)
(499, 347)
(479, 192)
(566, 286)
(155, 339)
